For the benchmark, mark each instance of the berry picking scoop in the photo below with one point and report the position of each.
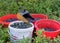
(20, 17)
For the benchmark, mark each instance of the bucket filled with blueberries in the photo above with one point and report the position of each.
(51, 27)
(19, 30)
(6, 19)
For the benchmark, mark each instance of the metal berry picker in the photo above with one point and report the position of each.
(23, 15)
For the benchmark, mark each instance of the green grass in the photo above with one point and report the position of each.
(47, 7)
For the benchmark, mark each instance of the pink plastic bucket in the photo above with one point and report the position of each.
(8, 16)
(40, 16)
(48, 24)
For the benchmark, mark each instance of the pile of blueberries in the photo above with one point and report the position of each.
(15, 19)
(10, 20)
(35, 19)
(21, 25)
(48, 29)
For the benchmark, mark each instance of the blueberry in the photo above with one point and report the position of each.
(15, 24)
(24, 27)
(13, 19)
(12, 25)
(37, 19)
(48, 29)
(21, 25)
(10, 20)
(27, 26)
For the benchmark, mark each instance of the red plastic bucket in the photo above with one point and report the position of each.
(44, 23)
(40, 16)
(8, 16)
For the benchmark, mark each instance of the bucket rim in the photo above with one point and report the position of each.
(47, 19)
(30, 28)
